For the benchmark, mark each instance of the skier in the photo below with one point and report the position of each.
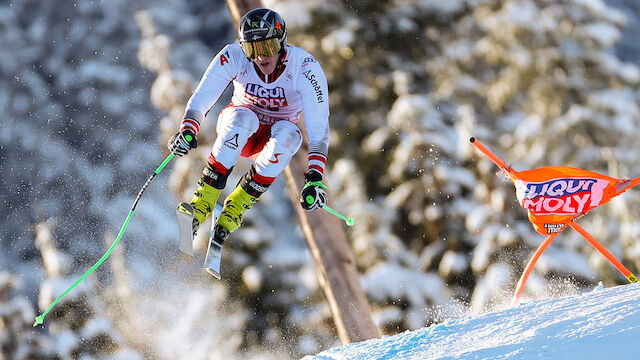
(273, 83)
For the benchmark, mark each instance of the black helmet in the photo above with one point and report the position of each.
(262, 32)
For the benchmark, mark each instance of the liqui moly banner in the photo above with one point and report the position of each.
(554, 196)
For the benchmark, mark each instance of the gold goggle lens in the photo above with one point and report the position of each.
(267, 47)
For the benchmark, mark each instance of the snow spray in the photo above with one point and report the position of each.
(40, 319)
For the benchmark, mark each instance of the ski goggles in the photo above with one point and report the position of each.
(267, 47)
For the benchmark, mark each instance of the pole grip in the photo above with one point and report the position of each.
(165, 162)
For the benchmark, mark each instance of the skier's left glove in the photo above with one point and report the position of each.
(182, 142)
(313, 195)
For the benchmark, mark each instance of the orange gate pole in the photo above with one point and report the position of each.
(496, 160)
(527, 270)
(628, 274)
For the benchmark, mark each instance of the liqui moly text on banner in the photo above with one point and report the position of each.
(560, 196)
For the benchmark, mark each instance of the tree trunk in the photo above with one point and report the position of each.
(325, 235)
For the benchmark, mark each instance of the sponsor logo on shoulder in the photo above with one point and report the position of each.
(308, 60)
(316, 87)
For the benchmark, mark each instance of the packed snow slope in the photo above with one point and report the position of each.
(601, 324)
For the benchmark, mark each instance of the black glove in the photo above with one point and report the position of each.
(313, 195)
(182, 142)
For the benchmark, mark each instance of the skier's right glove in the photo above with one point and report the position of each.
(182, 142)
(313, 195)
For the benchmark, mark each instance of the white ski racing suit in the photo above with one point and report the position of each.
(261, 121)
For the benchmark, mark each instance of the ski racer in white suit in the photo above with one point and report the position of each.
(273, 84)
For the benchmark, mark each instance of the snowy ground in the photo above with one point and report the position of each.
(601, 324)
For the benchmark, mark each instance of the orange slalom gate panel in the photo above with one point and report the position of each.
(557, 196)
(554, 196)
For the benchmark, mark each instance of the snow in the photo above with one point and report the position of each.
(441, 6)
(296, 13)
(452, 263)
(396, 282)
(605, 34)
(477, 218)
(564, 261)
(601, 324)
(618, 101)
(339, 40)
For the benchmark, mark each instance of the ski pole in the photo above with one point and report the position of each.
(349, 221)
(40, 319)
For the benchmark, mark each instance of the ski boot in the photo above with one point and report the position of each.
(203, 202)
(235, 205)
(191, 216)
(230, 219)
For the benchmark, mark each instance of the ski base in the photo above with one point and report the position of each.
(184, 214)
(214, 255)
(214, 251)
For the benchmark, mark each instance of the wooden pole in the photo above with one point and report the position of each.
(327, 241)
